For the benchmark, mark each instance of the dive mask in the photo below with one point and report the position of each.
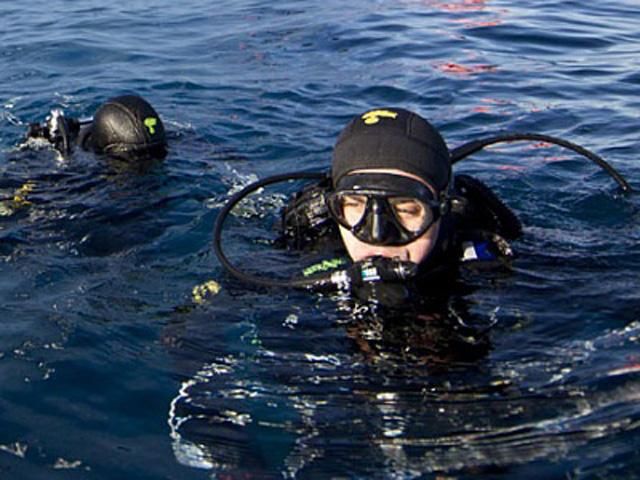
(384, 209)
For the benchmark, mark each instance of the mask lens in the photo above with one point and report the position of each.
(349, 208)
(412, 214)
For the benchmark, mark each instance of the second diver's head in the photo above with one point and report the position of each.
(127, 127)
(391, 173)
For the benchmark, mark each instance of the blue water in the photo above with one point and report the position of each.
(110, 367)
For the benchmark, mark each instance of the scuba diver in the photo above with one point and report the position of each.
(395, 200)
(129, 136)
(125, 127)
(404, 225)
(394, 203)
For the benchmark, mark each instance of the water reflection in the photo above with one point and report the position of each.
(475, 378)
(386, 392)
(267, 407)
(437, 334)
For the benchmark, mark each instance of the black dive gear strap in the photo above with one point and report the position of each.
(477, 207)
(384, 209)
(508, 229)
(371, 270)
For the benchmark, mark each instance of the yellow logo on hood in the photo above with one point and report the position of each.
(372, 117)
(150, 123)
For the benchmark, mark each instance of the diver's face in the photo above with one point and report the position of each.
(415, 251)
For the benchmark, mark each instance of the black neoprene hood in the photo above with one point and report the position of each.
(392, 138)
(127, 124)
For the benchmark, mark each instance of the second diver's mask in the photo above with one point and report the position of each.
(384, 209)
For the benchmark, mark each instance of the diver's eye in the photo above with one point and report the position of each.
(411, 213)
(353, 208)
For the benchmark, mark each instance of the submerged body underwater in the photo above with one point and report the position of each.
(126, 348)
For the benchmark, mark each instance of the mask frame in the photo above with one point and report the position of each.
(381, 223)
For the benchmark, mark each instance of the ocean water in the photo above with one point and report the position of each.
(114, 364)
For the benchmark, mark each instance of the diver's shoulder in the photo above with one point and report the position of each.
(476, 207)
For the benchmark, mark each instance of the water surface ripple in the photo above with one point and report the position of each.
(112, 367)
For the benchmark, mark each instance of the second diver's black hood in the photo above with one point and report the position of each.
(126, 126)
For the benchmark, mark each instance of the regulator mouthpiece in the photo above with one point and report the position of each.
(381, 269)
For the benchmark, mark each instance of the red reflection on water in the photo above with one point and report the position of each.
(460, 69)
(473, 24)
(540, 145)
(550, 158)
(541, 158)
(512, 168)
(464, 6)
(489, 103)
(495, 101)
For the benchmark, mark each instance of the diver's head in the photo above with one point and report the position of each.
(127, 127)
(391, 172)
